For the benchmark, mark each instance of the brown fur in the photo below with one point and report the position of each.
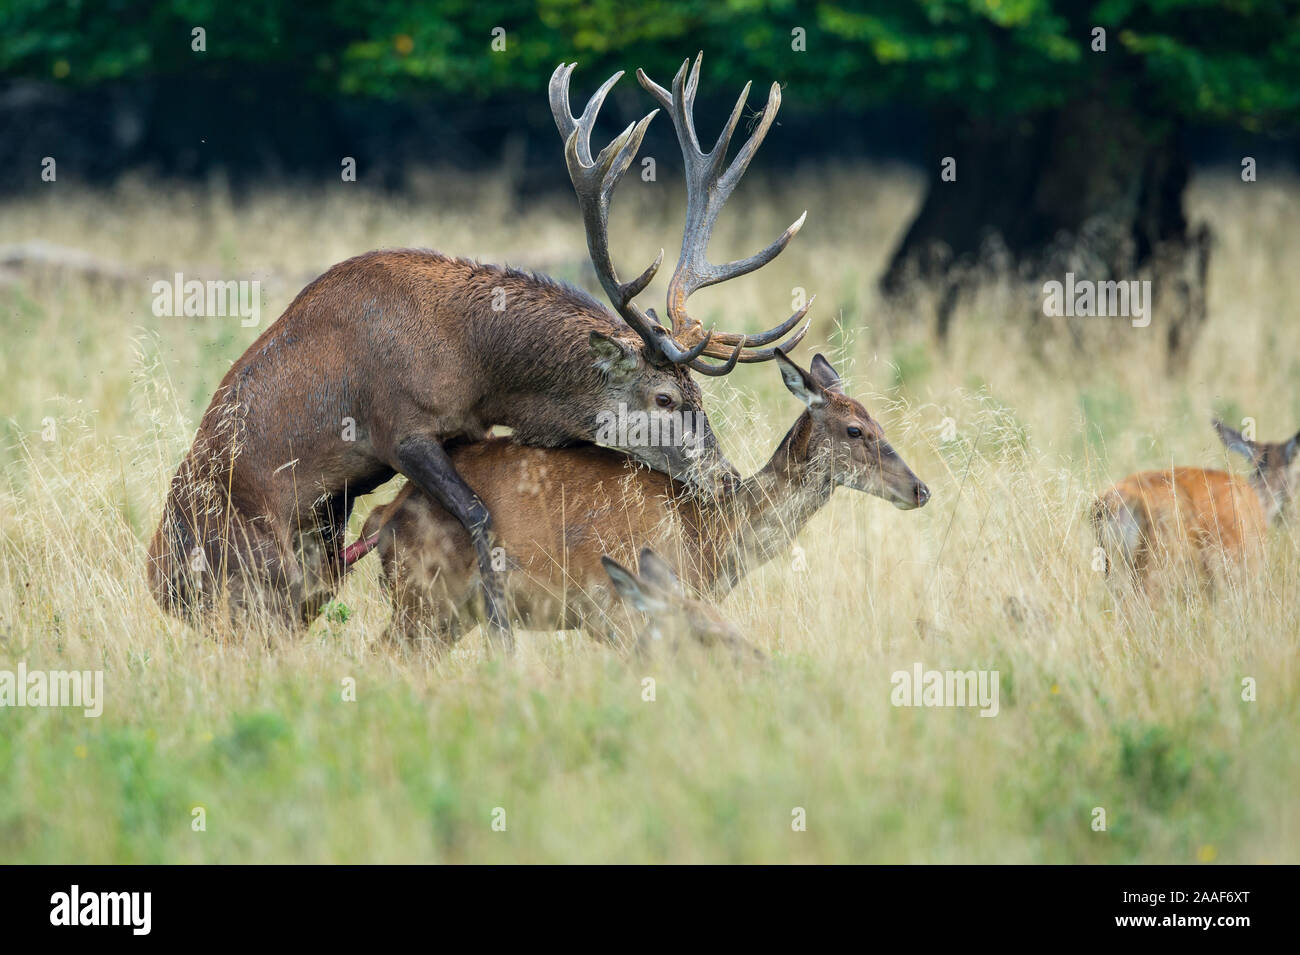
(1208, 518)
(558, 511)
(408, 346)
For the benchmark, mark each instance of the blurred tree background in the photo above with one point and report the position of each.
(1077, 139)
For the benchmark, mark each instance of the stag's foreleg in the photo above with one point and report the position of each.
(426, 462)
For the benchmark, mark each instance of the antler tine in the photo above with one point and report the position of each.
(767, 337)
(594, 181)
(767, 354)
(709, 184)
(745, 354)
(558, 90)
(565, 120)
(688, 355)
(717, 371)
(720, 148)
(741, 162)
(721, 273)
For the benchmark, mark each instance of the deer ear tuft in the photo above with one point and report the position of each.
(612, 357)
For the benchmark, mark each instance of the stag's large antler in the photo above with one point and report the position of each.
(594, 182)
(708, 187)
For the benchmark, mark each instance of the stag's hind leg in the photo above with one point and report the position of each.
(225, 569)
(319, 550)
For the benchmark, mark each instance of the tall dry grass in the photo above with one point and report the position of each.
(1105, 702)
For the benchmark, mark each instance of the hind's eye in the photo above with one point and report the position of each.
(855, 431)
(663, 400)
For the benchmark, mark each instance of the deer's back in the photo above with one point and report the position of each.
(579, 502)
(555, 511)
(395, 342)
(1186, 507)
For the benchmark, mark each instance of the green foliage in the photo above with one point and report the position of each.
(336, 611)
(1231, 61)
(1158, 764)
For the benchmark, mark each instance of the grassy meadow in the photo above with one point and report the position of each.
(1132, 707)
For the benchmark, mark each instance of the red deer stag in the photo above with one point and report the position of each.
(1193, 512)
(387, 359)
(560, 510)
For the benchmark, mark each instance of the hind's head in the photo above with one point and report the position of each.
(1276, 467)
(846, 440)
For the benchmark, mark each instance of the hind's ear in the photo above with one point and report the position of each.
(628, 587)
(614, 358)
(1233, 441)
(799, 382)
(1291, 447)
(825, 375)
(657, 572)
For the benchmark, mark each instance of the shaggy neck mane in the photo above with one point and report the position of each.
(541, 330)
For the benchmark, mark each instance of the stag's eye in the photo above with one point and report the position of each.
(855, 431)
(663, 400)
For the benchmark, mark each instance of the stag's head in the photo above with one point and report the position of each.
(653, 410)
(654, 381)
(1276, 467)
(843, 442)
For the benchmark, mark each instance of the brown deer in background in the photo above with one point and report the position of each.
(386, 360)
(669, 611)
(1159, 516)
(560, 510)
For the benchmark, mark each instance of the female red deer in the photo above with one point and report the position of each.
(559, 511)
(387, 358)
(1193, 512)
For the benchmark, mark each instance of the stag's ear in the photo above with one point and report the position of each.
(1233, 441)
(825, 375)
(799, 382)
(614, 358)
(656, 572)
(629, 588)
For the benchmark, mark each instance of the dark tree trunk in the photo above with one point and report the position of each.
(1092, 188)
